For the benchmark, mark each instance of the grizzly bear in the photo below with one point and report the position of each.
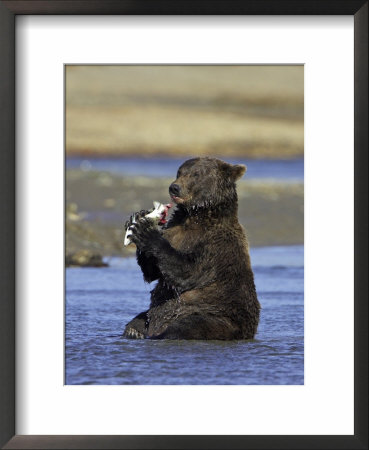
(205, 287)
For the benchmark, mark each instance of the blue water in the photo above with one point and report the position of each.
(99, 302)
(286, 170)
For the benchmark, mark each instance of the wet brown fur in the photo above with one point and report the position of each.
(201, 260)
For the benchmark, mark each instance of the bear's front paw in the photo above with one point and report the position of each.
(144, 234)
(135, 217)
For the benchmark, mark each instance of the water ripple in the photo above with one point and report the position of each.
(99, 303)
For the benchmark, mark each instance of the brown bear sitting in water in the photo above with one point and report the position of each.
(201, 260)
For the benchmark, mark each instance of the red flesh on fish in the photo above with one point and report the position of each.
(164, 214)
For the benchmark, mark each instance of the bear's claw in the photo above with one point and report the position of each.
(131, 333)
(144, 233)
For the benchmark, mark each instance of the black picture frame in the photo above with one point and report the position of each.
(8, 12)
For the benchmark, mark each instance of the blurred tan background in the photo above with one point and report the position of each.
(232, 112)
(249, 111)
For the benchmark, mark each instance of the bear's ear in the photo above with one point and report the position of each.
(232, 171)
(238, 170)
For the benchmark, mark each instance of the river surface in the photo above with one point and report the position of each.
(275, 169)
(99, 302)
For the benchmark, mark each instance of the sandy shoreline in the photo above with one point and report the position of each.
(228, 111)
(98, 203)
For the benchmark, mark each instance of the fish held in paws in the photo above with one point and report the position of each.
(158, 214)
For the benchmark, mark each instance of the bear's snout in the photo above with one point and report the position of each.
(174, 190)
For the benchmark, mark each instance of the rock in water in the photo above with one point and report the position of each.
(84, 258)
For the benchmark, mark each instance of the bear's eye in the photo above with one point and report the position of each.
(196, 174)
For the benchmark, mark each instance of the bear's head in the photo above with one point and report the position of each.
(206, 182)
